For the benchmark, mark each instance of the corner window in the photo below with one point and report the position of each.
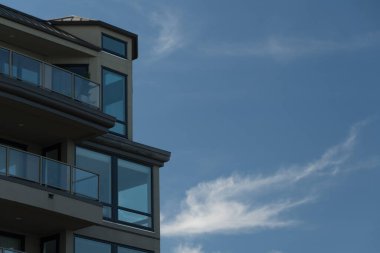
(125, 187)
(114, 46)
(134, 193)
(100, 164)
(115, 98)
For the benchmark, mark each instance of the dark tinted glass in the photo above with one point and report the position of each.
(128, 250)
(4, 61)
(11, 242)
(114, 46)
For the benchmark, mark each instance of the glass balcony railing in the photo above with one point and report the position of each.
(44, 75)
(48, 172)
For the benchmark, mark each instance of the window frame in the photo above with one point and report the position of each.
(116, 207)
(114, 189)
(114, 245)
(113, 52)
(126, 123)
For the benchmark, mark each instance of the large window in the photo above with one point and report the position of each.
(100, 164)
(134, 193)
(115, 98)
(131, 187)
(114, 46)
(85, 245)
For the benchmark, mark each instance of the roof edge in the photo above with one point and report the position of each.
(116, 29)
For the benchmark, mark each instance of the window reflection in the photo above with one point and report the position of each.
(99, 164)
(85, 246)
(114, 98)
(26, 69)
(134, 192)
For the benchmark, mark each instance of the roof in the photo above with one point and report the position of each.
(76, 20)
(42, 25)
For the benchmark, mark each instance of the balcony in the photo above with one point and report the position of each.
(41, 74)
(43, 195)
(66, 105)
(48, 173)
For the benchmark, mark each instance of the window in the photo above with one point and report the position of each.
(114, 98)
(114, 46)
(100, 164)
(85, 245)
(4, 61)
(11, 241)
(50, 244)
(131, 187)
(134, 193)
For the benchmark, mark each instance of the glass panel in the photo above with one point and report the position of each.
(113, 45)
(55, 174)
(3, 161)
(107, 212)
(4, 61)
(50, 247)
(87, 91)
(85, 245)
(127, 250)
(135, 218)
(99, 164)
(58, 80)
(114, 100)
(119, 128)
(10, 242)
(26, 69)
(134, 186)
(23, 165)
(85, 183)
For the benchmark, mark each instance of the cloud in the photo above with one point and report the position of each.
(287, 48)
(184, 248)
(236, 203)
(170, 32)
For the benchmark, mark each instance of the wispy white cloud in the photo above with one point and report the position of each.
(232, 204)
(185, 248)
(170, 36)
(288, 48)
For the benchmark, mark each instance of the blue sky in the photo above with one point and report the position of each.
(271, 112)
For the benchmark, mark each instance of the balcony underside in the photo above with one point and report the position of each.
(31, 210)
(44, 117)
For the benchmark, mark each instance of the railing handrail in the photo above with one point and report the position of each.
(41, 158)
(59, 68)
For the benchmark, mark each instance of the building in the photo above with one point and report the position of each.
(71, 177)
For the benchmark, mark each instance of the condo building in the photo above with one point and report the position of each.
(72, 179)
